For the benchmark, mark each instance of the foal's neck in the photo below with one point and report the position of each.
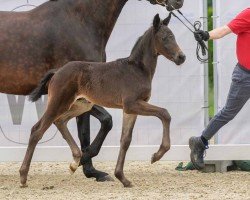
(144, 54)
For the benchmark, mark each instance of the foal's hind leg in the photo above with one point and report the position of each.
(144, 108)
(79, 107)
(76, 152)
(53, 111)
(36, 134)
(126, 137)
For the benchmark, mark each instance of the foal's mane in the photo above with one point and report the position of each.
(141, 44)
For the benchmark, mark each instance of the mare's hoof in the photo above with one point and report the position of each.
(105, 178)
(98, 175)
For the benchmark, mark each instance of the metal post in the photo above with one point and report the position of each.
(215, 64)
(206, 82)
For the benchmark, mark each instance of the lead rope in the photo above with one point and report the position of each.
(201, 46)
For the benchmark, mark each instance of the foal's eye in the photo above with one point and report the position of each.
(165, 38)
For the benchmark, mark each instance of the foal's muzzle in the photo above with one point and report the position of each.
(180, 58)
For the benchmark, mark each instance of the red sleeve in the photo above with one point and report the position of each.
(241, 23)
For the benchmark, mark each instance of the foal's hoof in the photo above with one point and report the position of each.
(23, 185)
(72, 168)
(71, 171)
(128, 184)
(105, 178)
(154, 158)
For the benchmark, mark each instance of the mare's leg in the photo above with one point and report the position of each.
(83, 125)
(91, 151)
(144, 108)
(126, 137)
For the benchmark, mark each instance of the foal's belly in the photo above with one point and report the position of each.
(105, 101)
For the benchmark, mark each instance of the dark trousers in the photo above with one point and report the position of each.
(238, 95)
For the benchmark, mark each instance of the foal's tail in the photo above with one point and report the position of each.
(42, 88)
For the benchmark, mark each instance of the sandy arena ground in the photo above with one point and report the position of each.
(159, 181)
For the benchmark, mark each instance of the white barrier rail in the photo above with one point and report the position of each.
(141, 153)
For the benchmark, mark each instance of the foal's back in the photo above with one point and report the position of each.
(104, 84)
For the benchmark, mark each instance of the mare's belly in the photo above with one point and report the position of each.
(17, 83)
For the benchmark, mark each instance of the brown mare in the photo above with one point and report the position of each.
(49, 36)
(124, 84)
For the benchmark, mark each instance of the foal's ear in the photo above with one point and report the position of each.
(167, 20)
(157, 22)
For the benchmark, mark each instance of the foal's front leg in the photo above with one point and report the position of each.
(126, 137)
(143, 108)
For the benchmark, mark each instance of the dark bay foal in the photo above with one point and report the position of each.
(124, 84)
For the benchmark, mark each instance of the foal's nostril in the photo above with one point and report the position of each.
(181, 57)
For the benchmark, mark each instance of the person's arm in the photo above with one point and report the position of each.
(238, 25)
(219, 32)
(212, 35)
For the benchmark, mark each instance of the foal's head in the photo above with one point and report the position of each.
(165, 43)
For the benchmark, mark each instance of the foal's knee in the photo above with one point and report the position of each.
(107, 122)
(165, 114)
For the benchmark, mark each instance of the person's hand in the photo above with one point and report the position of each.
(201, 35)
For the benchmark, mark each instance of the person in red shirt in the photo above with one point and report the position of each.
(239, 92)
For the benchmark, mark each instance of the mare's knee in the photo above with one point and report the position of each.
(107, 122)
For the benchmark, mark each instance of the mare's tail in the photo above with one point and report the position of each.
(42, 87)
